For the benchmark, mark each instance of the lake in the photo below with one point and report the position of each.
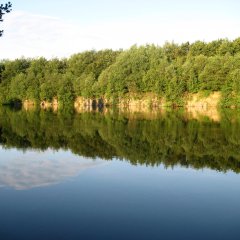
(119, 175)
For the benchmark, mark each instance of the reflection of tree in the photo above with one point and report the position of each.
(170, 140)
(7, 8)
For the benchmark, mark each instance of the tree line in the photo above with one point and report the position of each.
(170, 71)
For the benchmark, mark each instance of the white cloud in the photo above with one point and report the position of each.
(30, 169)
(36, 35)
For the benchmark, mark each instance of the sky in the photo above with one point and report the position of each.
(53, 28)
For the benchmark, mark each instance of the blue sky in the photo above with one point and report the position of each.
(54, 28)
(98, 10)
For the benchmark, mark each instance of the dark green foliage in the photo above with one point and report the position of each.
(170, 139)
(65, 92)
(86, 68)
(171, 71)
(4, 8)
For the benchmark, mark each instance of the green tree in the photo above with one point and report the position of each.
(4, 8)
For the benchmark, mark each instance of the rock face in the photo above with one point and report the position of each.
(203, 102)
(28, 104)
(147, 105)
(47, 104)
(82, 103)
(198, 106)
(132, 102)
(142, 102)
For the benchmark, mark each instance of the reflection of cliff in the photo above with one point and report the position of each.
(149, 106)
(169, 138)
(198, 106)
(30, 170)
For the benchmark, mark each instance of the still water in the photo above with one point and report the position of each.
(164, 175)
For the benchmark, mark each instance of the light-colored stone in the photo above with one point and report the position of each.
(47, 105)
(198, 106)
(28, 105)
(199, 101)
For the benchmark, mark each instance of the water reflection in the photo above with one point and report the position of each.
(113, 199)
(32, 169)
(169, 138)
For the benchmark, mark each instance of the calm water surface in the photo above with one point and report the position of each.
(119, 176)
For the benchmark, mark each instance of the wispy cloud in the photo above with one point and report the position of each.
(31, 169)
(33, 35)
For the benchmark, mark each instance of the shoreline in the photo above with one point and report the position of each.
(147, 106)
(137, 101)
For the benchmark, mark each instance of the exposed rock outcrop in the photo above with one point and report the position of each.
(203, 102)
(48, 104)
(28, 104)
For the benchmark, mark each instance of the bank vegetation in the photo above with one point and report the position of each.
(167, 75)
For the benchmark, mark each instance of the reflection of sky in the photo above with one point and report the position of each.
(121, 201)
(25, 170)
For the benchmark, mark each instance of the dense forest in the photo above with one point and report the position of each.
(169, 139)
(170, 72)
